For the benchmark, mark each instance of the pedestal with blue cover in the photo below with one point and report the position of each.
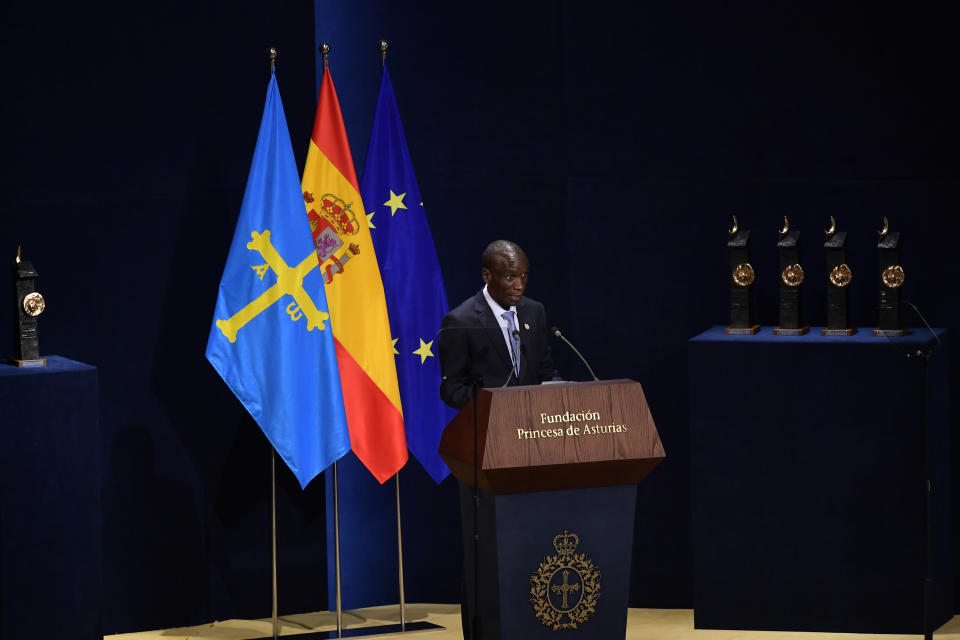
(50, 550)
(556, 483)
(810, 459)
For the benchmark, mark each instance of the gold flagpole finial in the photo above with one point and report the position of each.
(733, 231)
(886, 228)
(325, 51)
(272, 54)
(18, 254)
(383, 45)
(786, 227)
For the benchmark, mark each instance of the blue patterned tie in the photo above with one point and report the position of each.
(514, 343)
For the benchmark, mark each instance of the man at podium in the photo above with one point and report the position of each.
(498, 336)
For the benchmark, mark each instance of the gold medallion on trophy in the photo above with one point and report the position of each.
(34, 304)
(893, 276)
(841, 275)
(743, 274)
(792, 275)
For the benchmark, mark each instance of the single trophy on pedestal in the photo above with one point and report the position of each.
(891, 279)
(741, 283)
(839, 277)
(27, 305)
(791, 277)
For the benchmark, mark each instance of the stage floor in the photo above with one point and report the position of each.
(642, 624)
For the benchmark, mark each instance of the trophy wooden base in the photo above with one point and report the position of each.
(742, 331)
(780, 331)
(838, 332)
(39, 362)
(890, 333)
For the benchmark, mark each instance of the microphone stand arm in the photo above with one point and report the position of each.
(557, 333)
(475, 618)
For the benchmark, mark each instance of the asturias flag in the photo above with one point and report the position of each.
(358, 310)
(271, 339)
(412, 280)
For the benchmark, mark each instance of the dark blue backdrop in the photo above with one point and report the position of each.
(612, 142)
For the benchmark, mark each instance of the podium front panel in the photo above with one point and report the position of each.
(521, 579)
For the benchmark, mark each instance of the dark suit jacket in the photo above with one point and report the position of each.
(472, 344)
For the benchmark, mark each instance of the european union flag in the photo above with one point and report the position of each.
(416, 301)
(271, 340)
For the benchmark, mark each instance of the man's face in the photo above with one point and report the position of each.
(507, 278)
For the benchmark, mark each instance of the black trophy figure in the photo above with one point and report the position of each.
(839, 277)
(27, 305)
(791, 277)
(741, 283)
(891, 279)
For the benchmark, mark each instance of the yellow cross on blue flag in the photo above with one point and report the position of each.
(271, 340)
(416, 301)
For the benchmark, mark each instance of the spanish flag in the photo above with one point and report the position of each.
(358, 309)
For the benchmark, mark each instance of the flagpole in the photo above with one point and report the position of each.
(383, 45)
(336, 545)
(325, 51)
(272, 54)
(273, 527)
(403, 606)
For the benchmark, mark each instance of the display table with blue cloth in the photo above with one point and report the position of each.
(50, 549)
(809, 476)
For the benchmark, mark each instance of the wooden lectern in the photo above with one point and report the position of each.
(557, 474)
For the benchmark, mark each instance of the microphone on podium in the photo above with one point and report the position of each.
(514, 366)
(555, 331)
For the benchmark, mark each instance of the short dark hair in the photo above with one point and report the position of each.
(494, 249)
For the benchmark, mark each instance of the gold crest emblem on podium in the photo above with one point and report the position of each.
(565, 589)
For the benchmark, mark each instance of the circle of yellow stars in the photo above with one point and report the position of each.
(396, 202)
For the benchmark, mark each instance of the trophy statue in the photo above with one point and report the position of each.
(741, 284)
(27, 305)
(791, 277)
(891, 279)
(839, 277)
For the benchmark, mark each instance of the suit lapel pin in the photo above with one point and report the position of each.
(526, 326)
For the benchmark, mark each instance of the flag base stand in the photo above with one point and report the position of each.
(359, 632)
